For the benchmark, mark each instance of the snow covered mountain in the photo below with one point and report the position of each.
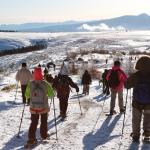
(129, 22)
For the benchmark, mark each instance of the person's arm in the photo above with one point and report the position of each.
(72, 84)
(130, 81)
(50, 90)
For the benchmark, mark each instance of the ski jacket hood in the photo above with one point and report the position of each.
(143, 64)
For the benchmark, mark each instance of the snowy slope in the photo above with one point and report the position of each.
(90, 131)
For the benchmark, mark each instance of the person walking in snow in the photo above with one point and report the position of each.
(24, 75)
(86, 81)
(62, 84)
(48, 77)
(38, 91)
(140, 82)
(116, 79)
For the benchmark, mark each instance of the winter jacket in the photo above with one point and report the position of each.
(64, 93)
(49, 92)
(86, 78)
(122, 78)
(24, 75)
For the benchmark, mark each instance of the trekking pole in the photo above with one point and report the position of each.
(99, 113)
(50, 105)
(79, 103)
(55, 118)
(18, 135)
(130, 99)
(124, 114)
(16, 92)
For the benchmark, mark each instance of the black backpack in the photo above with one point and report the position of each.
(114, 80)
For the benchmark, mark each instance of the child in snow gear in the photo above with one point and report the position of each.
(38, 91)
(86, 81)
(140, 82)
(24, 75)
(48, 77)
(105, 83)
(116, 78)
(62, 85)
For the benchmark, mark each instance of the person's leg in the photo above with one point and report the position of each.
(120, 101)
(113, 100)
(136, 122)
(84, 89)
(146, 123)
(23, 89)
(43, 126)
(63, 106)
(87, 89)
(33, 127)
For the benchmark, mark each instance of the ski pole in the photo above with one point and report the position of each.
(79, 103)
(55, 118)
(130, 99)
(21, 121)
(124, 114)
(50, 105)
(16, 92)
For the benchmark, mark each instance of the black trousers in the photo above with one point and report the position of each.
(34, 124)
(23, 89)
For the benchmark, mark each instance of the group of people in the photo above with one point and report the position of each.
(37, 88)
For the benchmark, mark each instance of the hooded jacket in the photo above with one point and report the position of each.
(48, 90)
(143, 68)
(122, 77)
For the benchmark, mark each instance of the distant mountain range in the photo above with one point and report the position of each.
(128, 22)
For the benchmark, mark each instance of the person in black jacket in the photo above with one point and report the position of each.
(86, 81)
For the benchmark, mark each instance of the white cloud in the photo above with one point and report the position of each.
(100, 27)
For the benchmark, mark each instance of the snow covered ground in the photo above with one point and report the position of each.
(92, 130)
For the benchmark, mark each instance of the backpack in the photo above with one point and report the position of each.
(114, 80)
(141, 92)
(38, 96)
(63, 87)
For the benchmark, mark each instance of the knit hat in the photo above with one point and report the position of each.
(143, 64)
(37, 75)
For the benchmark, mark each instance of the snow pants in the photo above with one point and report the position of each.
(85, 89)
(63, 104)
(34, 123)
(136, 121)
(113, 99)
(23, 89)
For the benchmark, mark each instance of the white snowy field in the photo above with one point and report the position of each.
(92, 130)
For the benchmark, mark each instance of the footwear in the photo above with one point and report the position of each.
(46, 138)
(112, 112)
(135, 138)
(122, 110)
(30, 143)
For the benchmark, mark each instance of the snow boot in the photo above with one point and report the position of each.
(112, 112)
(30, 143)
(135, 138)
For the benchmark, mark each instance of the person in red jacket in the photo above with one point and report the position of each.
(116, 88)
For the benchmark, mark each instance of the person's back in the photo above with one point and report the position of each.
(116, 83)
(140, 82)
(38, 91)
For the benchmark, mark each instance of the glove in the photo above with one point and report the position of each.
(77, 89)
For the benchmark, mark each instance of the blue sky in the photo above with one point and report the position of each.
(21, 11)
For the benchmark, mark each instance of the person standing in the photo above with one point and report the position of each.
(24, 75)
(38, 91)
(140, 82)
(62, 85)
(116, 79)
(86, 81)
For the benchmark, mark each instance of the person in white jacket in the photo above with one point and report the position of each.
(23, 76)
